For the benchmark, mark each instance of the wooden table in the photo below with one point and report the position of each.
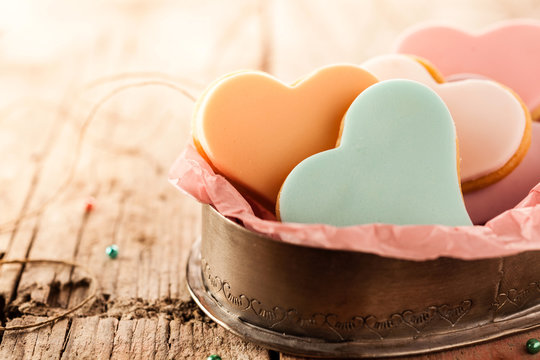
(91, 105)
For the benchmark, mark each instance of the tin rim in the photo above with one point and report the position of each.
(315, 347)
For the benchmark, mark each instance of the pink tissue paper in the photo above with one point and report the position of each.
(512, 232)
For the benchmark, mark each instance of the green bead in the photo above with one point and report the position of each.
(214, 357)
(112, 251)
(533, 346)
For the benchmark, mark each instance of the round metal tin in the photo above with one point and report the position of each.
(329, 303)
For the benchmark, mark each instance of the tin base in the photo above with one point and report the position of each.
(314, 347)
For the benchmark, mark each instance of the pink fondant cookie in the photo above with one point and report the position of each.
(508, 52)
(493, 127)
(254, 129)
(484, 204)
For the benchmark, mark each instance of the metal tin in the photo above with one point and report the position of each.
(329, 303)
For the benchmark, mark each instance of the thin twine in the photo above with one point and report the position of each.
(93, 291)
(140, 74)
(82, 134)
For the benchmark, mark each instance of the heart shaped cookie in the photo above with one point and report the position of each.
(484, 204)
(493, 126)
(396, 163)
(254, 129)
(507, 52)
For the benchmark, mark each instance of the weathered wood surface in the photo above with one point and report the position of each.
(58, 61)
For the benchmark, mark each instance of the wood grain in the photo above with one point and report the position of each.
(58, 61)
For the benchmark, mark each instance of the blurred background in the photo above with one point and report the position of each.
(50, 44)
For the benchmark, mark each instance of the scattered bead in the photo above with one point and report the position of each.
(89, 204)
(533, 346)
(112, 251)
(214, 357)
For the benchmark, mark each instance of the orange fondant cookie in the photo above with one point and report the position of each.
(254, 129)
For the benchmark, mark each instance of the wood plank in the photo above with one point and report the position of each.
(99, 232)
(19, 221)
(43, 343)
(22, 160)
(122, 340)
(161, 347)
(197, 340)
(104, 338)
(79, 340)
(44, 185)
(10, 273)
(144, 339)
(55, 239)
(158, 338)
(18, 345)
(50, 342)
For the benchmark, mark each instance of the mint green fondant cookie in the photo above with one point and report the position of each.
(396, 164)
